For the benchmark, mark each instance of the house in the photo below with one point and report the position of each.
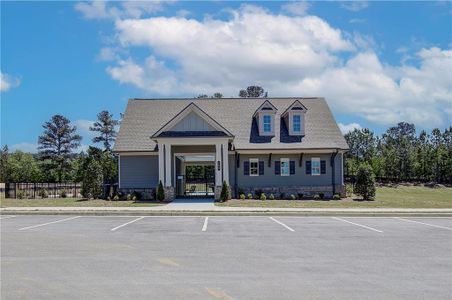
(272, 145)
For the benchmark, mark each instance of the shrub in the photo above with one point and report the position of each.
(160, 192)
(63, 194)
(292, 197)
(20, 195)
(365, 182)
(250, 196)
(271, 197)
(300, 196)
(134, 198)
(43, 193)
(137, 195)
(336, 197)
(282, 196)
(224, 196)
(116, 197)
(241, 191)
(263, 197)
(316, 197)
(257, 194)
(129, 197)
(321, 195)
(93, 178)
(242, 196)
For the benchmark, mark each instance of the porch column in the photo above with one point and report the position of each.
(162, 163)
(168, 159)
(218, 179)
(225, 163)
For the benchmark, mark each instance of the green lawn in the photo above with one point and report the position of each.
(67, 202)
(400, 197)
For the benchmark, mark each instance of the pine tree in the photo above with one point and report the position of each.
(105, 125)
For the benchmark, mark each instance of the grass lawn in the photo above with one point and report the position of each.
(400, 197)
(67, 202)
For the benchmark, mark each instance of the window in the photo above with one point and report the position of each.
(315, 166)
(285, 167)
(267, 123)
(296, 122)
(254, 167)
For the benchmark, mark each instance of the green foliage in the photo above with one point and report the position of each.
(365, 182)
(22, 167)
(105, 126)
(292, 197)
(160, 192)
(336, 197)
(282, 196)
(250, 196)
(321, 195)
(43, 193)
(300, 196)
(271, 197)
(63, 193)
(224, 196)
(316, 197)
(21, 195)
(92, 184)
(242, 196)
(252, 91)
(263, 197)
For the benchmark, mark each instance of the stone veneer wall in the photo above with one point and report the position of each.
(147, 194)
(169, 193)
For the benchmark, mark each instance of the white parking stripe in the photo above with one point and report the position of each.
(363, 226)
(437, 226)
(281, 223)
(133, 221)
(6, 217)
(204, 227)
(39, 225)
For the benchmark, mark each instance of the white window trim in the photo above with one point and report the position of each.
(286, 160)
(315, 159)
(290, 116)
(261, 123)
(293, 123)
(254, 160)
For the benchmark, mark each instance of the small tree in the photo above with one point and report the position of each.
(92, 184)
(252, 91)
(160, 192)
(365, 182)
(224, 196)
(218, 95)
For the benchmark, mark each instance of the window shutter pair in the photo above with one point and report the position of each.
(278, 167)
(246, 168)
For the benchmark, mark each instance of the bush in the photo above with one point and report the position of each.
(116, 198)
(282, 196)
(321, 195)
(160, 192)
(257, 194)
(242, 196)
(365, 182)
(63, 194)
(93, 178)
(263, 197)
(20, 195)
(300, 196)
(129, 197)
(224, 196)
(336, 197)
(43, 193)
(316, 197)
(137, 195)
(292, 197)
(271, 197)
(250, 196)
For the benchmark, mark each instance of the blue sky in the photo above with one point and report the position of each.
(377, 63)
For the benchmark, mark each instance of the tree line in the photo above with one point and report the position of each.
(400, 154)
(57, 159)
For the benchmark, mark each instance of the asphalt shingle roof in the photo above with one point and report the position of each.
(143, 117)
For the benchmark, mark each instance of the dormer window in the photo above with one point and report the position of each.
(265, 119)
(294, 117)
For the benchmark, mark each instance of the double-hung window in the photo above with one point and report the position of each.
(296, 123)
(254, 167)
(315, 166)
(285, 167)
(267, 123)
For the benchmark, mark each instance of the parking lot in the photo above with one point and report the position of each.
(220, 257)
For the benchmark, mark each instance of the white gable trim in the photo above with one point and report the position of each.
(192, 107)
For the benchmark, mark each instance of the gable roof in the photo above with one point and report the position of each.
(295, 103)
(144, 117)
(264, 106)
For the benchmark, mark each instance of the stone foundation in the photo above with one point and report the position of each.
(169, 193)
(146, 194)
(307, 191)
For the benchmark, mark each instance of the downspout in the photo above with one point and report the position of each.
(333, 177)
(236, 158)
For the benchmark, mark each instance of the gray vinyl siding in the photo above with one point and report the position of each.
(300, 178)
(139, 171)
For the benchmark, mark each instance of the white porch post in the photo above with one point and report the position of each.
(161, 163)
(225, 163)
(218, 165)
(168, 165)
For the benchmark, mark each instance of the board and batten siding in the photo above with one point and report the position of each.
(139, 171)
(192, 122)
(300, 178)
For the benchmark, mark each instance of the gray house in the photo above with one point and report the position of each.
(273, 145)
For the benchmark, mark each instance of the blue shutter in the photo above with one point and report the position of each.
(292, 167)
(277, 167)
(246, 168)
(308, 167)
(322, 167)
(261, 167)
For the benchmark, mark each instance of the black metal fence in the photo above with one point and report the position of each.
(32, 190)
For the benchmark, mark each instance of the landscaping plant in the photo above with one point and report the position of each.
(263, 197)
(271, 197)
(224, 196)
(250, 196)
(160, 192)
(365, 182)
(242, 196)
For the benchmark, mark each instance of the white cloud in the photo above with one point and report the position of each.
(357, 21)
(8, 82)
(355, 5)
(83, 129)
(191, 56)
(296, 8)
(24, 147)
(346, 128)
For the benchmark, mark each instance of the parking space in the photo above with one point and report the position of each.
(220, 257)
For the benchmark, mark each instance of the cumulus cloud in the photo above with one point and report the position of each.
(288, 56)
(25, 147)
(8, 82)
(296, 8)
(346, 128)
(83, 129)
(355, 5)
